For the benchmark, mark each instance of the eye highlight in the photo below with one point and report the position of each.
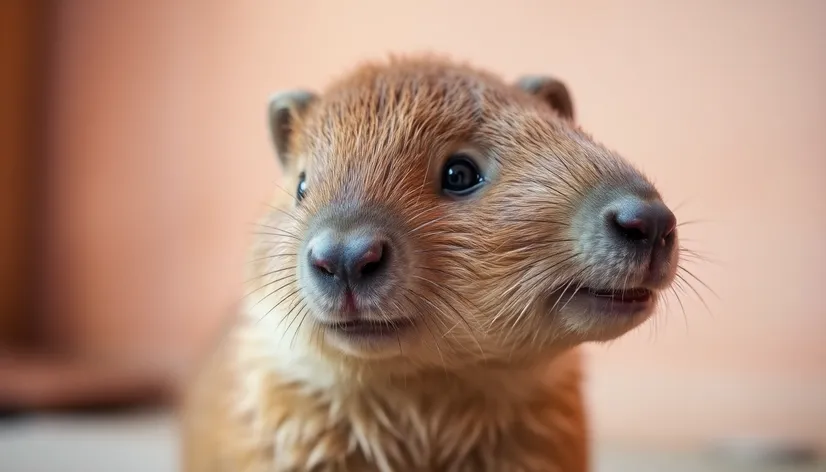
(461, 176)
(302, 187)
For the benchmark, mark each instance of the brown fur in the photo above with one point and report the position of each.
(490, 379)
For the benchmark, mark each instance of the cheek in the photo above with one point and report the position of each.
(528, 213)
(523, 236)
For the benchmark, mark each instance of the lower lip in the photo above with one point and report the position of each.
(369, 329)
(616, 302)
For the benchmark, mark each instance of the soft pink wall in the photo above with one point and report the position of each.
(161, 157)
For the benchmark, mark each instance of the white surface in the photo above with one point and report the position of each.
(149, 443)
(89, 444)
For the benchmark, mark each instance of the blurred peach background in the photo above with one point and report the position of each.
(158, 158)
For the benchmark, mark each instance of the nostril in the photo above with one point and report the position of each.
(323, 266)
(324, 254)
(368, 259)
(632, 229)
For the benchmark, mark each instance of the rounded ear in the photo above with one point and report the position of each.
(284, 108)
(551, 90)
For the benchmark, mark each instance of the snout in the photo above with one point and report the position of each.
(627, 242)
(353, 264)
(353, 268)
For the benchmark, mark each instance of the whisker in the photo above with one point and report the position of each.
(680, 205)
(692, 256)
(271, 256)
(287, 329)
(268, 284)
(577, 289)
(679, 267)
(518, 318)
(298, 328)
(692, 222)
(700, 297)
(264, 233)
(547, 271)
(284, 212)
(571, 282)
(289, 194)
(276, 228)
(316, 335)
(530, 284)
(682, 307)
(279, 303)
(265, 274)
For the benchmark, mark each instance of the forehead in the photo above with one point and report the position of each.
(399, 110)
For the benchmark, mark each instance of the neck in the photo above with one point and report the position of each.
(331, 372)
(505, 380)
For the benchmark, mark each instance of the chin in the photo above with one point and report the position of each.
(596, 316)
(372, 340)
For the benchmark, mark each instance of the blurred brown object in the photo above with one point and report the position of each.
(22, 61)
(36, 372)
(123, 297)
(57, 383)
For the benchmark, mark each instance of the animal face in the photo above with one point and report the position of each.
(438, 215)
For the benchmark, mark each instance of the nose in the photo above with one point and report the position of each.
(635, 220)
(349, 260)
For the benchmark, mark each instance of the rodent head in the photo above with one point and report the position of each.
(442, 217)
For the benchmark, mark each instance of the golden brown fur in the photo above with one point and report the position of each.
(489, 379)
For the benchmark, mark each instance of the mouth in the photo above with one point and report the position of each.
(627, 296)
(369, 329)
(619, 302)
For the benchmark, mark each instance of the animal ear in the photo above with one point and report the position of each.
(551, 90)
(284, 108)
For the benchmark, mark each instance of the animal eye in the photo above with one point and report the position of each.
(302, 187)
(461, 176)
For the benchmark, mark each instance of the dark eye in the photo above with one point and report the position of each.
(302, 187)
(461, 176)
